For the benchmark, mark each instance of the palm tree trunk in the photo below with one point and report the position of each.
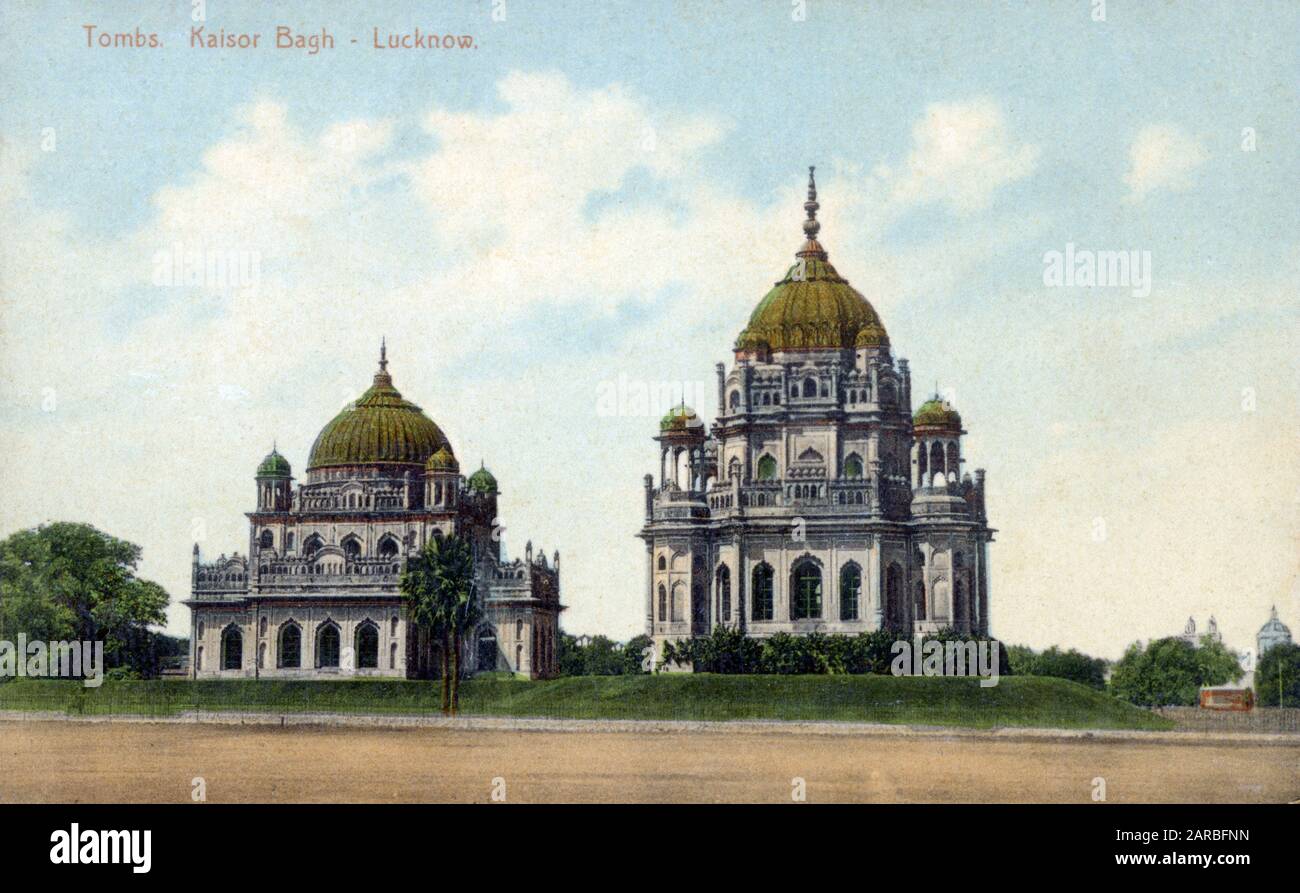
(455, 675)
(446, 674)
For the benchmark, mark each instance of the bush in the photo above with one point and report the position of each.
(727, 650)
(1072, 665)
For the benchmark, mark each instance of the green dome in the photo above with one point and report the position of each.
(812, 307)
(380, 427)
(442, 460)
(482, 481)
(872, 335)
(274, 466)
(679, 418)
(938, 413)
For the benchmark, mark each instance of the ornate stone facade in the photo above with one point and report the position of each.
(817, 502)
(319, 594)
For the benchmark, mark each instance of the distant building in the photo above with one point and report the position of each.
(1272, 634)
(1191, 637)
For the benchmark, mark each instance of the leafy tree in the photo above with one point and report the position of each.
(68, 581)
(1071, 664)
(1278, 676)
(1171, 671)
(1218, 665)
(569, 656)
(438, 585)
(634, 654)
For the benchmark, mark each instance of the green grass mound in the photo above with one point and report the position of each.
(1020, 701)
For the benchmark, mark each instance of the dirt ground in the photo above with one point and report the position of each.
(142, 762)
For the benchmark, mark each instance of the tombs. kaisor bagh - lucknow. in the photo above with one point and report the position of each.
(817, 502)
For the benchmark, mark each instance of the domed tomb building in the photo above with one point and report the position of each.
(818, 501)
(318, 593)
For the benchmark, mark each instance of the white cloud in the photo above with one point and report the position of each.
(564, 201)
(961, 155)
(1162, 156)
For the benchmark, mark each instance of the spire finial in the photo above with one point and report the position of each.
(810, 226)
(383, 354)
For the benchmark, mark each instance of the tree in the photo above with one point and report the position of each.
(68, 581)
(1172, 671)
(634, 654)
(438, 584)
(1277, 677)
(1072, 665)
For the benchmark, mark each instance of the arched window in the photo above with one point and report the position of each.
(232, 648)
(392, 626)
(806, 592)
(810, 387)
(766, 468)
(261, 655)
(734, 401)
(519, 629)
(936, 460)
(261, 627)
(677, 596)
(266, 540)
(663, 563)
(367, 646)
(850, 591)
(289, 648)
(919, 601)
(392, 656)
(288, 542)
(389, 547)
(724, 593)
(201, 628)
(351, 547)
(954, 463)
(327, 645)
(733, 468)
(198, 658)
(959, 601)
(663, 600)
(853, 467)
(894, 596)
(763, 592)
(312, 545)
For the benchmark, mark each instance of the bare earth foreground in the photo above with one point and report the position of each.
(152, 762)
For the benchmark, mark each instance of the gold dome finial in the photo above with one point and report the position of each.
(810, 226)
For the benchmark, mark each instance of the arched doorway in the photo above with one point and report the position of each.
(806, 592)
(232, 649)
(367, 646)
(487, 649)
(289, 654)
(327, 646)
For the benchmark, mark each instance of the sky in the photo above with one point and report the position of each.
(595, 196)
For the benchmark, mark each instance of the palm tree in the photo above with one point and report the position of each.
(465, 615)
(438, 585)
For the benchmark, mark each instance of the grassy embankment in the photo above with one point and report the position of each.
(1022, 701)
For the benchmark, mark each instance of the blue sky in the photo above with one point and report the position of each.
(605, 190)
